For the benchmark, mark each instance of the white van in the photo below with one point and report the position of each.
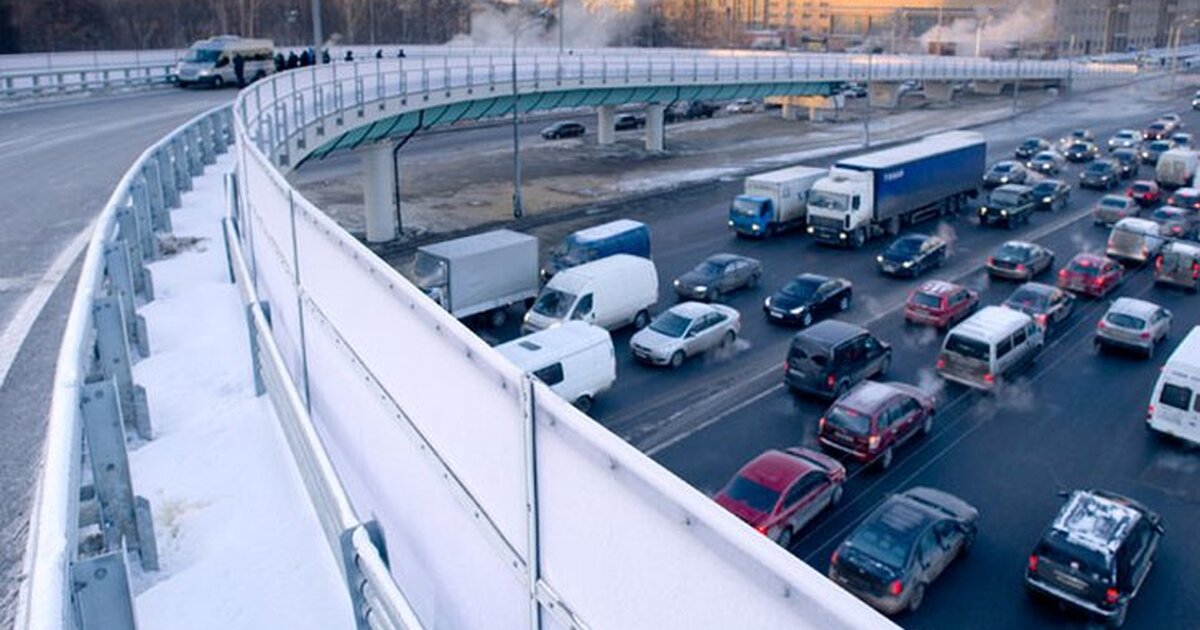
(1176, 168)
(1175, 407)
(988, 347)
(610, 293)
(210, 61)
(1134, 240)
(575, 360)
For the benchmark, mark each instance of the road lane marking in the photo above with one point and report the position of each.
(717, 418)
(18, 329)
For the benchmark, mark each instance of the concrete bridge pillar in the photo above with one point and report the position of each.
(988, 88)
(606, 124)
(883, 94)
(789, 110)
(379, 193)
(655, 127)
(939, 91)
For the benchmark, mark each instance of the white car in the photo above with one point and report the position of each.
(741, 106)
(1173, 119)
(1135, 324)
(1124, 138)
(1046, 163)
(686, 330)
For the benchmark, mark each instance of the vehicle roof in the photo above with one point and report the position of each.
(725, 258)
(691, 310)
(1033, 139)
(533, 351)
(1026, 245)
(1187, 353)
(869, 396)
(605, 230)
(913, 237)
(1036, 287)
(1089, 257)
(788, 174)
(991, 323)
(930, 145)
(1148, 183)
(1013, 188)
(1053, 155)
(812, 277)
(1125, 201)
(1187, 191)
(1133, 306)
(1184, 248)
(1053, 182)
(1096, 522)
(830, 331)
(777, 469)
(1006, 163)
(1124, 151)
(1138, 226)
(902, 515)
(495, 239)
(574, 278)
(938, 287)
(1125, 132)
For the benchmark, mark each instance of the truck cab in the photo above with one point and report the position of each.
(773, 201)
(839, 209)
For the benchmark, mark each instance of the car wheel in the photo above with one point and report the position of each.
(837, 496)
(219, 82)
(753, 281)
(883, 367)
(927, 426)
(844, 303)
(918, 595)
(729, 339)
(641, 319)
(785, 537)
(677, 359)
(1150, 350)
(858, 239)
(714, 295)
(807, 320)
(885, 460)
(583, 403)
(1118, 620)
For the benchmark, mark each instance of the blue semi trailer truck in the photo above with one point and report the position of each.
(878, 193)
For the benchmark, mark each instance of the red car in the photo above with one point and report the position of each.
(1145, 192)
(1091, 274)
(779, 492)
(940, 303)
(871, 420)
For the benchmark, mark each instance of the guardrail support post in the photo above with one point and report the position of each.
(120, 277)
(166, 171)
(115, 364)
(181, 160)
(152, 175)
(204, 138)
(130, 232)
(260, 387)
(355, 580)
(124, 518)
(144, 237)
(195, 152)
(101, 592)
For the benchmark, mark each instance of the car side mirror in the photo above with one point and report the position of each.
(1063, 493)
(690, 334)
(222, 62)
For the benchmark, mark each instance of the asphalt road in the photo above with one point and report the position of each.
(60, 162)
(1074, 421)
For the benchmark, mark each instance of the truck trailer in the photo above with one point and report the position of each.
(773, 201)
(483, 274)
(877, 193)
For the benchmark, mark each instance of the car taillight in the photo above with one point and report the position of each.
(989, 378)
(896, 587)
(941, 363)
(873, 442)
(1020, 267)
(1158, 264)
(1149, 412)
(1112, 595)
(834, 558)
(785, 366)
(1130, 192)
(1145, 335)
(821, 425)
(1101, 325)
(1041, 320)
(829, 381)
(1033, 562)
(762, 529)
(1062, 273)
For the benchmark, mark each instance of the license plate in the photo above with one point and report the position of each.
(776, 315)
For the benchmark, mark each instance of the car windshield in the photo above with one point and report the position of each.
(928, 300)
(1157, 126)
(670, 324)
(710, 270)
(1006, 198)
(1125, 135)
(554, 303)
(1028, 298)
(757, 496)
(1125, 320)
(1084, 267)
(202, 55)
(1002, 167)
(1045, 188)
(801, 288)
(1167, 214)
(1183, 199)
(827, 200)
(906, 246)
(746, 207)
(1098, 167)
(1079, 133)
(967, 347)
(1124, 156)
(849, 420)
(1113, 202)
(1043, 157)
(1016, 253)
(1079, 146)
(884, 538)
(1031, 143)
(1160, 145)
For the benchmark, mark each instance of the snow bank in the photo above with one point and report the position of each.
(239, 543)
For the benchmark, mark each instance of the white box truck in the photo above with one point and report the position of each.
(773, 201)
(1176, 168)
(576, 360)
(481, 274)
(611, 292)
(1173, 406)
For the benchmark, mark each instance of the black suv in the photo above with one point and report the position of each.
(1096, 553)
(832, 356)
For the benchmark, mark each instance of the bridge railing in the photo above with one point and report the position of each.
(32, 83)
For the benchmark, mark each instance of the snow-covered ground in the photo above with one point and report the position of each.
(239, 543)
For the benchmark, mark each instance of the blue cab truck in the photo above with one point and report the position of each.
(773, 201)
(877, 193)
(623, 236)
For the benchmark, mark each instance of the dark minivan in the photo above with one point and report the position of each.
(832, 356)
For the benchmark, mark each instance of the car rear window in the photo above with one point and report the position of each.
(1029, 298)
(1125, 320)
(888, 534)
(1175, 396)
(927, 300)
(1066, 554)
(1141, 188)
(753, 494)
(849, 420)
(805, 350)
(1112, 202)
(1084, 268)
(968, 347)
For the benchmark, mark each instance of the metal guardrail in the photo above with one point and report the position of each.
(378, 602)
(34, 83)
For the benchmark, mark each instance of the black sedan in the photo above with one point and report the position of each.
(1005, 172)
(1051, 194)
(1031, 147)
(625, 122)
(1081, 151)
(1129, 162)
(1101, 174)
(1047, 305)
(902, 547)
(807, 298)
(717, 275)
(565, 129)
(912, 254)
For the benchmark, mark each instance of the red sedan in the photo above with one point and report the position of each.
(779, 492)
(1091, 274)
(1145, 192)
(939, 303)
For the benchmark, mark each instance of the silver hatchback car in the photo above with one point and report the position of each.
(686, 330)
(1134, 324)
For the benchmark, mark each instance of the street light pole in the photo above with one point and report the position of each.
(518, 210)
(318, 36)
(561, 24)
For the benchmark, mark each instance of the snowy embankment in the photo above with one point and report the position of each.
(239, 543)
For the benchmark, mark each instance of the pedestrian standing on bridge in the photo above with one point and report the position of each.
(349, 55)
(400, 55)
(379, 54)
(293, 61)
(325, 58)
(280, 62)
(239, 70)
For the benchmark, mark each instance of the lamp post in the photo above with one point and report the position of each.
(318, 36)
(1173, 44)
(561, 24)
(518, 209)
(1109, 31)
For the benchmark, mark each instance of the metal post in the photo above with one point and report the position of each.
(260, 387)
(120, 277)
(1017, 82)
(114, 363)
(101, 592)
(867, 117)
(518, 209)
(299, 304)
(318, 36)
(533, 563)
(561, 26)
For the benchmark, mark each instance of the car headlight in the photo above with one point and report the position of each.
(811, 229)
(1104, 178)
(205, 72)
(678, 284)
(842, 236)
(982, 210)
(767, 302)
(1047, 199)
(797, 310)
(1004, 213)
(731, 223)
(907, 263)
(755, 227)
(1003, 180)
(879, 259)
(700, 288)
